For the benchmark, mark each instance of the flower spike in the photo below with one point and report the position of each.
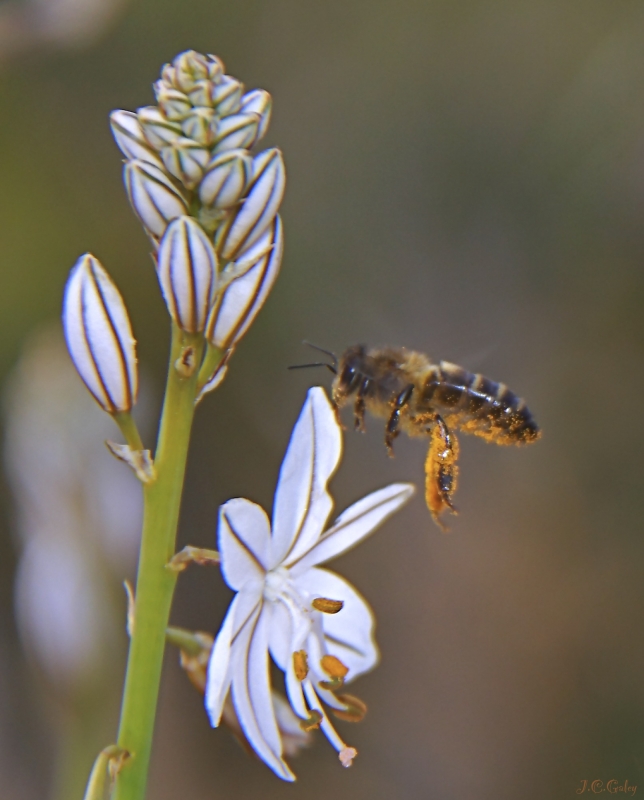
(99, 336)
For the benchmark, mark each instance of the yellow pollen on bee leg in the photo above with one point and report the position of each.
(327, 606)
(346, 756)
(300, 664)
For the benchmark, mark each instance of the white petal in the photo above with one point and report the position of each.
(244, 540)
(251, 689)
(239, 612)
(349, 634)
(218, 678)
(302, 503)
(353, 525)
(280, 636)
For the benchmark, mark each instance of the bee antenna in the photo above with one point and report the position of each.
(326, 352)
(317, 364)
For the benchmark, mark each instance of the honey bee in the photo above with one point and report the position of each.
(430, 400)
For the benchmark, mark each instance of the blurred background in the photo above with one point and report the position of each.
(465, 179)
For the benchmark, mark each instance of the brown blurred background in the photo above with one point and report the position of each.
(466, 179)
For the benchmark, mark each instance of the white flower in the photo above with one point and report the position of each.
(281, 589)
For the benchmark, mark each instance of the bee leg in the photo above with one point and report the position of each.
(359, 407)
(441, 470)
(336, 404)
(391, 431)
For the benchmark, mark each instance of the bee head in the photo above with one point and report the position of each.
(350, 371)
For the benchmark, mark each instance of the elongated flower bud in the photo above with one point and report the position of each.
(215, 68)
(201, 93)
(174, 104)
(154, 198)
(226, 178)
(128, 134)
(185, 160)
(239, 302)
(187, 266)
(189, 67)
(226, 95)
(236, 131)
(99, 335)
(258, 102)
(201, 125)
(158, 130)
(260, 205)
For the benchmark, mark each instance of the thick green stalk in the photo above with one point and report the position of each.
(155, 584)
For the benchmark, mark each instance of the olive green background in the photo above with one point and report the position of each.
(464, 178)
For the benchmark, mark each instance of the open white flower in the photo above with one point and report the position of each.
(314, 624)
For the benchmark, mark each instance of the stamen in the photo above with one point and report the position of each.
(328, 729)
(312, 722)
(300, 664)
(354, 710)
(327, 606)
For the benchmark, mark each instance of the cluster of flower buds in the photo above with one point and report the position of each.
(209, 206)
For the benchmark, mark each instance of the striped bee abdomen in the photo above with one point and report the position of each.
(475, 404)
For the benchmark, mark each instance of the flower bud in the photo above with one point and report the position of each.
(201, 125)
(99, 335)
(185, 160)
(236, 130)
(258, 209)
(258, 102)
(174, 104)
(241, 299)
(128, 134)
(201, 93)
(169, 76)
(226, 95)
(226, 179)
(154, 198)
(215, 68)
(189, 67)
(187, 266)
(158, 130)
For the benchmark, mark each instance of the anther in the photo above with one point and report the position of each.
(327, 606)
(336, 670)
(300, 664)
(354, 710)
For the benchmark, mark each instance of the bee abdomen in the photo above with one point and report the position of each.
(478, 405)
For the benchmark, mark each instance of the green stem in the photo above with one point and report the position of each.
(155, 584)
(129, 430)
